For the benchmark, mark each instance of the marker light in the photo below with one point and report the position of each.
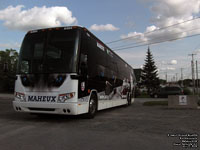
(63, 97)
(20, 96)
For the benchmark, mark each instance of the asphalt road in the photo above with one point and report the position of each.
(135, 127)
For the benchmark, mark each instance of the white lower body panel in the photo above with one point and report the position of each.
(105, 104)
(73, 108)
(51, 108)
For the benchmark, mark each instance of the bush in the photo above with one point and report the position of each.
(137, 92)
(187, 91)
(198, 103)
(143, 95)
(7, 78)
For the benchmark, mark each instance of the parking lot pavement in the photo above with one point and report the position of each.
(135, 127)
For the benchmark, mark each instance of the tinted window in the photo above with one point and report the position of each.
(49, 52)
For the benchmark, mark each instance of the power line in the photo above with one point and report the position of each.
(158, 42)
(116, 48)
(154, 30)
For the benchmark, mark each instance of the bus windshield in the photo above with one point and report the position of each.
(50, 51)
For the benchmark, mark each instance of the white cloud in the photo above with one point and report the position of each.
(134, 58)
(151, 28)
(131, 55)
(173, 62)
(135, 36)
(167, 69)
(9, 45)
(17, 18)
(175, 8)
(166, 13)
(171, 68)
(107, 27)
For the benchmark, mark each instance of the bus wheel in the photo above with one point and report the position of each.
(129, 99)
(92, 107)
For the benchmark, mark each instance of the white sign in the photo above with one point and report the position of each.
(182, 100)
(100, 46)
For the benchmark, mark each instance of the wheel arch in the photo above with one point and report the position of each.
(95, 93)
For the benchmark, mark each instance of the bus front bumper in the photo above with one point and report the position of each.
(72, 108)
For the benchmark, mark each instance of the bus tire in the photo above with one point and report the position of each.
(92, 107)
(129, 99)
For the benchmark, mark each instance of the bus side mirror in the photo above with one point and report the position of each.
(5, 67)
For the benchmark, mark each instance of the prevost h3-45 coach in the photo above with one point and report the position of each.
(67, 70)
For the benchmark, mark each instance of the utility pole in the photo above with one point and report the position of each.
(176, 77)
(193, 75)
(182, 77)
(197, 78)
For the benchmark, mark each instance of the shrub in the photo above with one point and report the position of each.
(187, 91)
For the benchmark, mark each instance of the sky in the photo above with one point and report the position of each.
(127, 26)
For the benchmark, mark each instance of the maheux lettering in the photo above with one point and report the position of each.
(42, 98)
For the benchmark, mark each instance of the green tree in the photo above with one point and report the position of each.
(7, 79)
(149, 74)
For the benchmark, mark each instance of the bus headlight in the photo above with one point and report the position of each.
(63, 97)
(20, 96)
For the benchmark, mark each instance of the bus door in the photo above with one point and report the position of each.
(83, 69)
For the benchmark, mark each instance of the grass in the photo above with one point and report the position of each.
(156, 103)
(143, 95)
